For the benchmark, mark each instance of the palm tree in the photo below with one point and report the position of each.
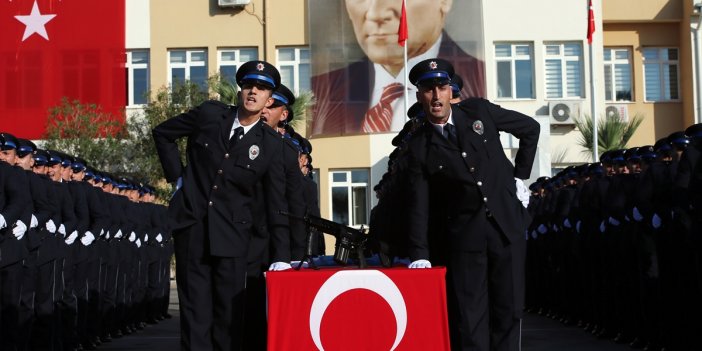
(612, 132)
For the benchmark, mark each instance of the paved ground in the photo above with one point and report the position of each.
(538, 334)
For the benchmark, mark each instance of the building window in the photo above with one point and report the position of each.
(515, 71)
(137, 77)
(349, 196)
(617, 69)
(661, 74)
(188, 65)
(294, 67)
(229, 60)
(564, 70)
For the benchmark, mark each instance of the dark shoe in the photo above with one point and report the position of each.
(167, 316)
(106, 338)
(637, 344)
(151, 321)
(117, 334)
(605, 334)
(621, 339)
(88, 345)
(652, 347)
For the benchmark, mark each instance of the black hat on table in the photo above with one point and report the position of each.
(258, 72)
(431, 72)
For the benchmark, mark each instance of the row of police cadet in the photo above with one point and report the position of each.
(84, 256)
(616, 247)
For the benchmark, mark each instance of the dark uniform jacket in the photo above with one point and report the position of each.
(220, 177)
(448, 181)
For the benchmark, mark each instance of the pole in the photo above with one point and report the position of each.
(698, 73)
(593, 106)
(405, 69)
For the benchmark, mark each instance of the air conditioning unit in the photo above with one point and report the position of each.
(563, 112)
(232, 3)
(620, 111)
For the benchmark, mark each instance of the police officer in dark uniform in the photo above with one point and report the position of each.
(230, 149)
(460, 178)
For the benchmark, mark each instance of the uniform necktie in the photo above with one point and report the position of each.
(378, 117)
(450, 133)
(238, 134)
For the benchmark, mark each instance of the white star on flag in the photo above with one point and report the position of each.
(35, 22)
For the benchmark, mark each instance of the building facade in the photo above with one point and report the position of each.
(537, 60)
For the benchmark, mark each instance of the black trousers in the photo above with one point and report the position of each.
(10, 292)
(485, 289)
(210, 292)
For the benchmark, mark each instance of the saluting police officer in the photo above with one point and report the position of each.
(461, 181)
(230, 149)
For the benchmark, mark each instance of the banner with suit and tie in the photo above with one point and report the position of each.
(358, 65)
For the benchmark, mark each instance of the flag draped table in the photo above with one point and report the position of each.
(369, 309)
(51, 49)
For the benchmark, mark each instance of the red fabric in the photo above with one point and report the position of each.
(402, 30)
(359, 318)
(379, 117)
(590, 22)
(83, 58)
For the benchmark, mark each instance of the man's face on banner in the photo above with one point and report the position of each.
(375, 23)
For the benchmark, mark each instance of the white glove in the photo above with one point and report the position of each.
(118, 234)
(613, 221)
(566, 223)
(132, 237)
(19, 229)
(577, 226)
(555, 228)
(34, 222)
(279, 266)
(146, 237)
(102, 232)
(420, 264)
(656, 221)
(602, 227)
(636, 214)
(138, 242)
(626, 218)
(71, 238)
(3, 222)
(88, 238)
(159, 238)
(542, 229)
(62, 230)
(534, 234)
(522, 192)
(51, 226)
(107, 235)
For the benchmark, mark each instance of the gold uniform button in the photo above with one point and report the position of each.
(226, 155)
(472, 169)
(211, 203)
(219, 171)
(485, 199)
(464, 154)
(480, 183)
(214, 187)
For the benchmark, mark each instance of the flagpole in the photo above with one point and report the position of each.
(593, 105)
(405, 70)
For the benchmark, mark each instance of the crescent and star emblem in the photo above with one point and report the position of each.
(344, 281)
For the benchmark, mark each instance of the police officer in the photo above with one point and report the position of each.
(230, 149)
(461, 182)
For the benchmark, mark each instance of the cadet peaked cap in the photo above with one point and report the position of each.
(54, 157)
(41, 157)
(662, 144)
(415, 110)
(282, 96)
(678, 139)
(431, 72)
(79, 165)
(9, 141)
(456, 85)
(694, 131)
(260, 72)
(25, 147)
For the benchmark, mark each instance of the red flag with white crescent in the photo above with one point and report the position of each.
(52, 49)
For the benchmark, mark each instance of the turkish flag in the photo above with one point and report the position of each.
(51, 49)
(590, 22)
(402, 30)
(331, 309)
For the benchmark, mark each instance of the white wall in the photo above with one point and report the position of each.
(537, 22)
(138, 34)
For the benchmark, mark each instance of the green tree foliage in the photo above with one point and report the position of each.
(87, 131)
(612, 132)
(128, 149)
